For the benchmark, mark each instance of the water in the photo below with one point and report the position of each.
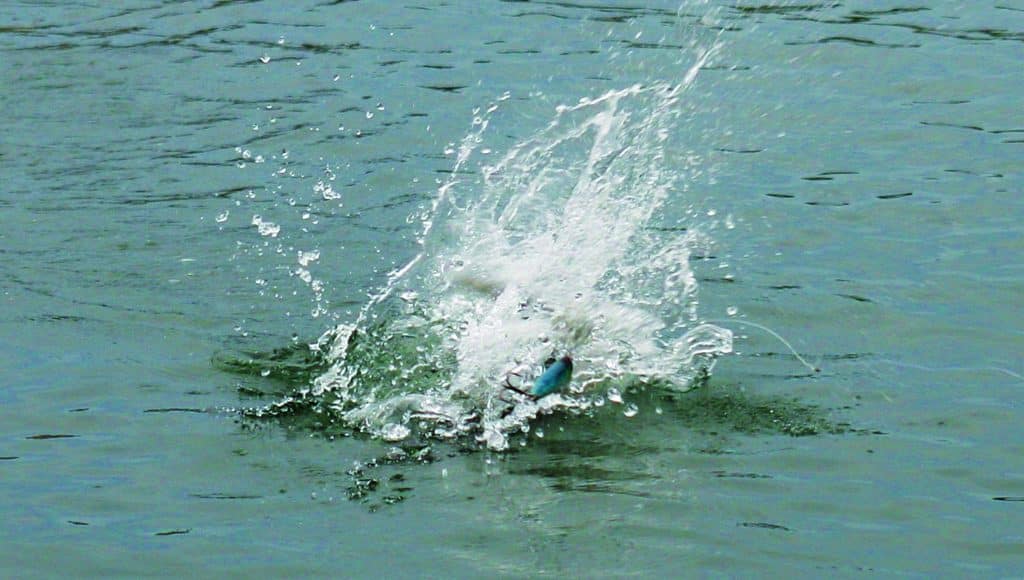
(194, 193)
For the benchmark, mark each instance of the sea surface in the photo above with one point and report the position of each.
(272, 273)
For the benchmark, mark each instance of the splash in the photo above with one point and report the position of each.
(560, 246)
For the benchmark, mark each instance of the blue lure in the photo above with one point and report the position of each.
(555, 377)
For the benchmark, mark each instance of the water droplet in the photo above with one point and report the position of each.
(223, 217)
(265, 59)
(615, 396)
(266, 229)
(631, 410)
(369, 114)
(306, 258)
(265, 373)
(326, 190)
(394, 432)
(732, 310)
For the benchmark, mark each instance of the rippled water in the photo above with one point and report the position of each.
(436, 195)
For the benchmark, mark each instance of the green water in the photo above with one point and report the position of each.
(854, 170)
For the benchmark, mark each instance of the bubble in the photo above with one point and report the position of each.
(223, 217)
(631, 410)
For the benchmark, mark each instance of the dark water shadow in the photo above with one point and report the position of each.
(601, 450)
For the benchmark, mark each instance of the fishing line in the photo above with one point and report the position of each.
(996, 369)
(802, 360)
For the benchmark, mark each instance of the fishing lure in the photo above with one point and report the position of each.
(557, 375)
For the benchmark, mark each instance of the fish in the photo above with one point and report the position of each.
(555, 377)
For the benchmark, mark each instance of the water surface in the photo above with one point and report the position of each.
(185, 183)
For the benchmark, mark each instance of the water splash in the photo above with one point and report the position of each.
(560, 246)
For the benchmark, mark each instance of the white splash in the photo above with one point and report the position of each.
(552, 250)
